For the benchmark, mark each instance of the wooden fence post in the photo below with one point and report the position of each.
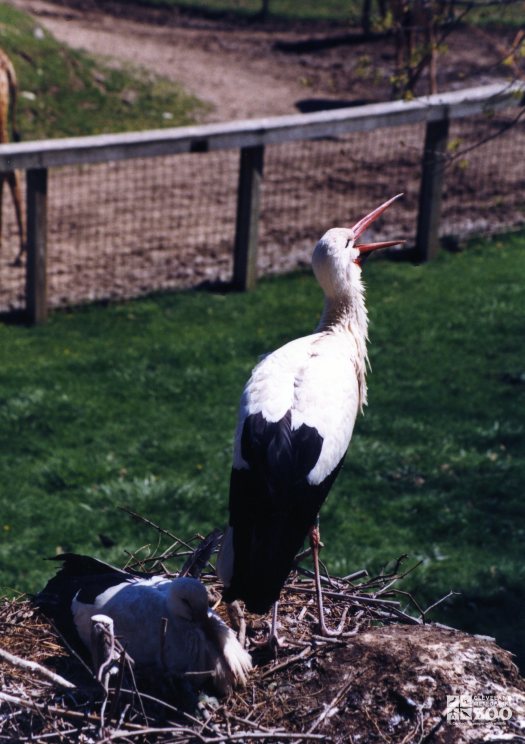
(36, 266)
(247, 227)
(433, 165)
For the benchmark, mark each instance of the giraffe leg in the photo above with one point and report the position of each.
(324, 630)
(13, 179)
(2, 179)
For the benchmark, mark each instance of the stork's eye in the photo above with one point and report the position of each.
(348, 241)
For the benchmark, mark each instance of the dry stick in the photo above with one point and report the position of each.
(33, 666)
(163, 703)
(331, 707)
(73, 652)
(137, 691)
(118, 686)
(52, 734)
(439, 601)
(162, 531)
(310, 574)
(267, 735)
(412, 599)
(123, 715)
(356, 575)
(340, 640)
(247, 735)
(252, 723)
(287, 662)
(408, 619)
(393, 578)
(144, 731)
(177, 540)
(358, 598)
(65, 712)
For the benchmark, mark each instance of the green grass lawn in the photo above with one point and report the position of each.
(288, 10)
(67, 93)
(335, 11)
(135, 404)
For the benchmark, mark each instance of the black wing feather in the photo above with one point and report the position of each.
(272, 506)
(81, 576)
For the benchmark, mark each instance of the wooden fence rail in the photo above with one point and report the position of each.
(250, 137)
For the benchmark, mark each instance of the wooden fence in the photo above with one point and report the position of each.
(251, 137)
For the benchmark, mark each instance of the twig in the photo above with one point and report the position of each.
(387, 614)
(439, 601)
(267, 735)
(36, 668)
(161, 530)
(356, 575)
(73, 651)
(195, 563)
(65, 712)
(286, 662)
(331, 707)
(358, 598)
(145, 731)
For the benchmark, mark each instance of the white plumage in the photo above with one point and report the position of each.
(296, 419)
(165, 625)
(304, 375)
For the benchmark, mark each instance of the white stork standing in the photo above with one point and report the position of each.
(295, 423)
(164, 625)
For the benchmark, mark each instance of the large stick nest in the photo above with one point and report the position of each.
(385, 679)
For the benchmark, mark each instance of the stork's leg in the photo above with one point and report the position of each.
(273, 640)
(315, 541)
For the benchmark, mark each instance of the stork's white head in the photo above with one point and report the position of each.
(337, 258)
(188, 599)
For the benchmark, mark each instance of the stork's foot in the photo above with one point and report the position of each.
(329, 633)
(273, 642)
(315, 544)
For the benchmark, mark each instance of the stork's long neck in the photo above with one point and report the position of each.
(348, 313)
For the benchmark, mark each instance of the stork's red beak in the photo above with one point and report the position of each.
(362, 225)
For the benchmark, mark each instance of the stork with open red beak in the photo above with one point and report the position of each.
(296, 419)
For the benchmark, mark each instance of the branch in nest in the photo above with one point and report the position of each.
(36, 668)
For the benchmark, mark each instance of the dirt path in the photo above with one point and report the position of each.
(244, 70)
(232, 74)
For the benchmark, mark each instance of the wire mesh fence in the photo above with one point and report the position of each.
(312, 186)
(484, 188)
(122, 229)
(12, 276)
